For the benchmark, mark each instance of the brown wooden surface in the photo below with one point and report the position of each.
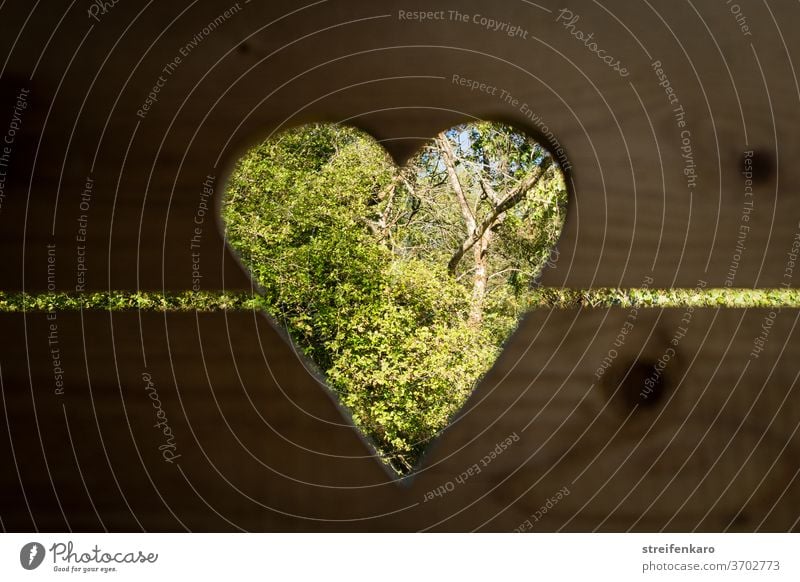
(263, 445)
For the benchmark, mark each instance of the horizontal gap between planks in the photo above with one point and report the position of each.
(541, 297)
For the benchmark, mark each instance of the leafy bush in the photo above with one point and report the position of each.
(399, 284)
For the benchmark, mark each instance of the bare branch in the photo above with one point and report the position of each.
(489, 191)
(511, 200)
(504, 271)
(449, 158)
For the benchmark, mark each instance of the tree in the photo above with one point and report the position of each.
(366, 264)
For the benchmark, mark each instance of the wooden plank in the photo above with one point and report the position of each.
(632, 219)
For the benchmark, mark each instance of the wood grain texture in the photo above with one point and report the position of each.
(263, 444)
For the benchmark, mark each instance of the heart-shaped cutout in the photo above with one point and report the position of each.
(400, 284)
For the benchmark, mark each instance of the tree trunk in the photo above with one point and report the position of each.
(480, 278)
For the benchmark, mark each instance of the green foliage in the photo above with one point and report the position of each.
(539, 298)
(352, 256)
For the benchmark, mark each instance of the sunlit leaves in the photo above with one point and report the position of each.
(352, 253)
